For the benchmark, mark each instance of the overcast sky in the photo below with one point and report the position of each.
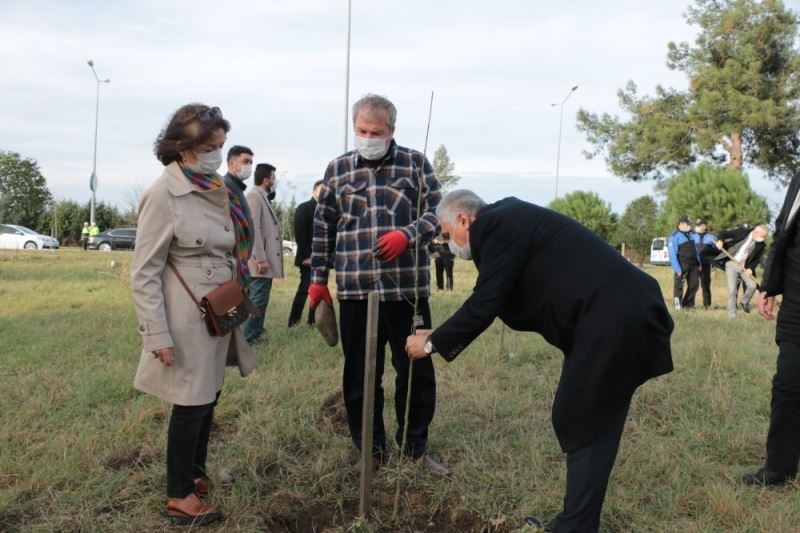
(276, 68)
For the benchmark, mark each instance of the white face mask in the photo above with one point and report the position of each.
(245, 171)
(371, 149)
(461, 251)
(208, 163)
(759, 239)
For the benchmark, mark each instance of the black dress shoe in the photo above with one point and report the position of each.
(537, 522)
(767, 478)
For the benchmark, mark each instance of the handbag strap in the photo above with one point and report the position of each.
(183, 282)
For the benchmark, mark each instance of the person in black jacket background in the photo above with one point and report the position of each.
(541, 271)
(303, 234)
(746, 245)
(443, 259)
(782, 276)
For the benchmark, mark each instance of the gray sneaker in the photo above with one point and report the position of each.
(677, 304)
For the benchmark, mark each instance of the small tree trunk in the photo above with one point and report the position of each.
(735, 151)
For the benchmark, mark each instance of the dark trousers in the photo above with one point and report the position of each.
(588, 471)
(783, 438)
(394, 325)
(444, 266)
(705, 283)
(187, 446)
(690, 277)
(85, 242)
(253, 327)
(300, 298)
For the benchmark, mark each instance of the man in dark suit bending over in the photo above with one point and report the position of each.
(541, 271)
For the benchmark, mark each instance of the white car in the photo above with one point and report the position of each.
(13, 237)
(659, 252)
(289, 247)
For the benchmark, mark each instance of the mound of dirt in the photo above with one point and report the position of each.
(332, 415)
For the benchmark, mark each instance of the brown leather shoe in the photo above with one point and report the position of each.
(433, 467)
(202, 486)
(191, 511)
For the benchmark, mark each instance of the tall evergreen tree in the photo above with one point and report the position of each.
(722, 196)
(588, 209)
(444, 167)
(741, 105)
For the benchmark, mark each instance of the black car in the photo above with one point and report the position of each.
(114, 239)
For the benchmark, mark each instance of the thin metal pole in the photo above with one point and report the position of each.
(347, 79)
(94, 161)
(560, 125)
(558, 157)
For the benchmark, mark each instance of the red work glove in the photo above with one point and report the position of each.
(391, 245)
(317, 292)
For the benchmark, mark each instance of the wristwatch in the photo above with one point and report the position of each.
(428, 348)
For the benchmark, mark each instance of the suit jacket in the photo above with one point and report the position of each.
(773, 279)
(734, 239)
(304, 230)
(607, 316)
(267, 237)
(193, 229)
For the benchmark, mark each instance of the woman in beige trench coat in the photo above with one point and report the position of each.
(189, 217)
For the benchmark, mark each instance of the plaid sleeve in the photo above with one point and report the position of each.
(432, 194)
(326, 217)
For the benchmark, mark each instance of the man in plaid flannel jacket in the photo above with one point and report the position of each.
(366, 227)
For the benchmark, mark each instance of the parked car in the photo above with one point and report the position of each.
(13, 237)
(289, 248)
(114, 239)
(659, 253)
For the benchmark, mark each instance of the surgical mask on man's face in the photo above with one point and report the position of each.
(208, 162)
(245, 171)
(758, 239)
(371, 149)
(461, 251)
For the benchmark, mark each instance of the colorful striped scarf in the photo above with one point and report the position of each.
(241, 228)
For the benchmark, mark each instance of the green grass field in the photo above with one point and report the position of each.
(81, 450)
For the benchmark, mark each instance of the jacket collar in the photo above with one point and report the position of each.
(235, 179)
(176, 181)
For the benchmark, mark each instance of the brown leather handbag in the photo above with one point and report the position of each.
(223, 309)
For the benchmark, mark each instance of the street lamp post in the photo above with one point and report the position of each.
(93, 179)
(560, 124)
(347, 79)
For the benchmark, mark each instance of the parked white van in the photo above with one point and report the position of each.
(659, 252)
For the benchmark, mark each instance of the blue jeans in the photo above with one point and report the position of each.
(253, 328)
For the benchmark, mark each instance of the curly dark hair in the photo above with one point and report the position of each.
(190, 126)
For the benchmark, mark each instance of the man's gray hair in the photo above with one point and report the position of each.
(459, 201)
(763, 227)
(370, 103)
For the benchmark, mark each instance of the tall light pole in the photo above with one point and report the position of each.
(347, 80)
(560, 124)
(93, 179)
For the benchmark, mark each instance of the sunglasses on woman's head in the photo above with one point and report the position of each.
(208, 113)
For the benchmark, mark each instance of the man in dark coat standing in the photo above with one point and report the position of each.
(303, 235)
(782, 276)
(746, 245)
(541, 271)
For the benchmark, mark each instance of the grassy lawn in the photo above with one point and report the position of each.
(80, 449)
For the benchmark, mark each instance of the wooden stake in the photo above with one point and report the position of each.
(368, 408)
(502, 338)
